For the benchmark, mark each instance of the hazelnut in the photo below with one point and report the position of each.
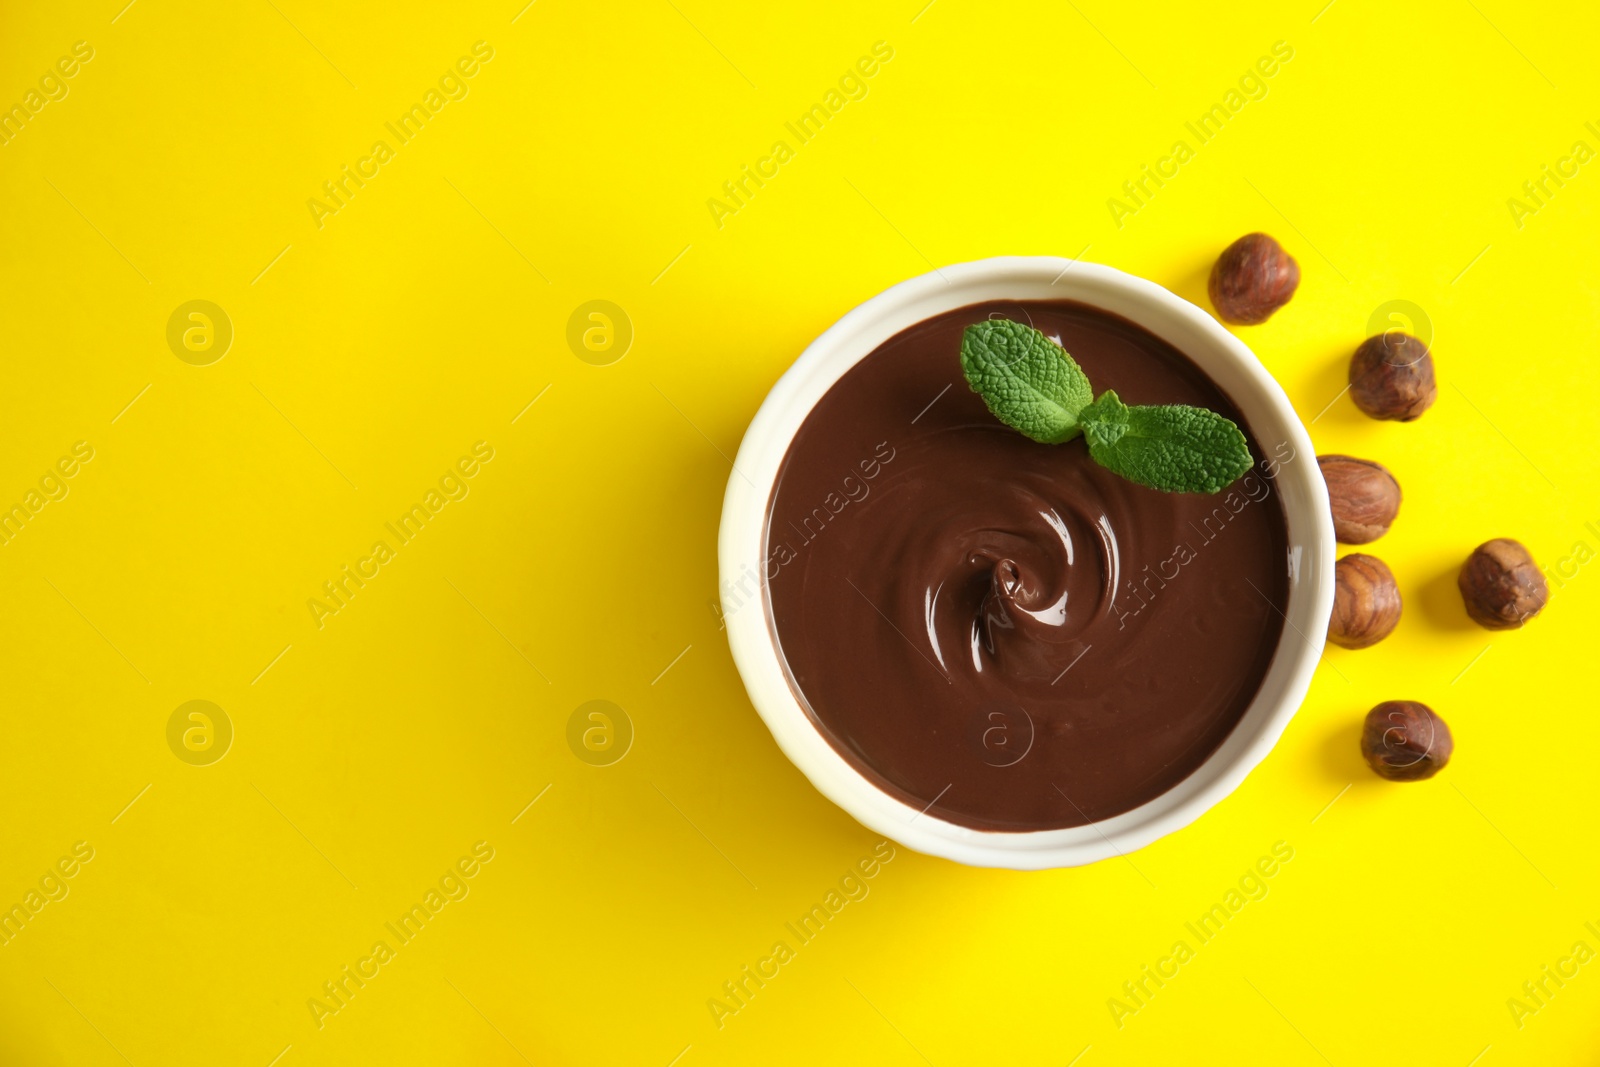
(1366, 602)
(1502, 586)
(1364, 496)
(1404, 741)
(1391, 377)
(1253, 277)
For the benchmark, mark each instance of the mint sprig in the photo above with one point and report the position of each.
(1031, 384)
(1172, 447)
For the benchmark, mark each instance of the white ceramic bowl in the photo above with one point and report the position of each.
(742, 552)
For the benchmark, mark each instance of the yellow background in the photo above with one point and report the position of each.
(428, 312)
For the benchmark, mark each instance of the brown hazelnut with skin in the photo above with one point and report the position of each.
(1252, 278)
(1501, 585)
(1405, 741)
(1366, 602)
(1391, 377)
(1364, 497)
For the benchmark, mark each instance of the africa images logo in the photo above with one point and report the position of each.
(341, 589)
(453, 886)
(342, 188)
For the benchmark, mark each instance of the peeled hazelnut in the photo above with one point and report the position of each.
(1366, 602)
(1404, 741)
(1253, 277)
(1364, 496)
(1391, 377)
(1502, 586)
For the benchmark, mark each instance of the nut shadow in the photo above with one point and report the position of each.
(1439, 600)
(1330, 398)
(1339, 755)
(1192, 283)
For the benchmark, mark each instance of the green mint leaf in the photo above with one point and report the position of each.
(1026, 379)
(1171, 447)
(1104, 421)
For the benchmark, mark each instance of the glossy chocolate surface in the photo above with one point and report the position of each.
(1004, 632)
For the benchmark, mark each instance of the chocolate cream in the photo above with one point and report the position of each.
(1002, 632)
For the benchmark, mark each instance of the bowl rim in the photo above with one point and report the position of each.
(742, 542)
